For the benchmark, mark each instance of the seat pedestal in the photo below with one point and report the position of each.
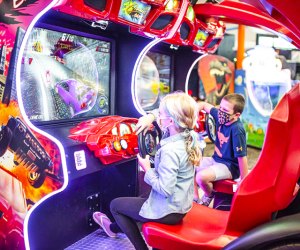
(224, 193)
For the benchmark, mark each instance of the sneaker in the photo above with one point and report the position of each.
(104, 222)
(206, 200)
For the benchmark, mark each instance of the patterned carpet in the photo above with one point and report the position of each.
(99, 241)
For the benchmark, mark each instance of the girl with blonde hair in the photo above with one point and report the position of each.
(172, 178)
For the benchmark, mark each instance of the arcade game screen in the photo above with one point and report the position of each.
(65, 76)
(200, 38)
(134, 11)
(154, 78)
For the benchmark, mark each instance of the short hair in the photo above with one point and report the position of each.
(237, 100)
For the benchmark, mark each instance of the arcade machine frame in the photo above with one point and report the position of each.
(99, 186)
(71, 199)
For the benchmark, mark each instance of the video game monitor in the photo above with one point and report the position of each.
(65, 76)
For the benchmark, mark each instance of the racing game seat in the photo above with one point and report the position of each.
(268, 188)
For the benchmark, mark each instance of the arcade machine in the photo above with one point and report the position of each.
(60, 176)
(263, 82)
(70, 100)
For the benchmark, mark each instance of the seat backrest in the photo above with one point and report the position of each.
(270, 185)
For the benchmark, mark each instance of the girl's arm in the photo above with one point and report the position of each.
(163, 178)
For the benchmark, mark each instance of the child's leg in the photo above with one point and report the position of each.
(126, 213)
(196, 191)
(207, 175)
(209, 172)
(204, 176)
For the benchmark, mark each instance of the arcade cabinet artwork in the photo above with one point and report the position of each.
(111, 138)
(214, 79)
(263, 82)
(30, 163)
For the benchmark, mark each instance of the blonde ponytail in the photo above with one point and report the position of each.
(192, 147)
(184, 110)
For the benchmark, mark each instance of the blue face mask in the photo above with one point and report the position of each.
(165, 131)
(223, 117)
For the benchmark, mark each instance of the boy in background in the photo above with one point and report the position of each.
(229, 160)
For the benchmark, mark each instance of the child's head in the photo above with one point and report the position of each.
(231, 107)
(237, 100)
(182, 108)
(179, 111)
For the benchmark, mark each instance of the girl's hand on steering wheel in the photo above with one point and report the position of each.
(144, 162)
(144, 123)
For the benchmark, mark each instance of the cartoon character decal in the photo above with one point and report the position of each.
(30, 163)
(216, 75)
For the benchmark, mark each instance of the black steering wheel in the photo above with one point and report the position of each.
(210, 127)
(147, 143)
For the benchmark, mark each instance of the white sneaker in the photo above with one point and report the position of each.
(206, 200)
(104, 222)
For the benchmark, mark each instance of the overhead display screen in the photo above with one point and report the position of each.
(134, 11)
(65, 76)
(200, 38)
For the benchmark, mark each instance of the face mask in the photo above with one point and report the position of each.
(223, 117)
(165, 131)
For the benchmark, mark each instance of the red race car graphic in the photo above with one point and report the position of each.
(111, 138)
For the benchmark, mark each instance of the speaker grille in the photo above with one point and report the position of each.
(96, 4)
(162, 21)
(213, 43)
(184, 31)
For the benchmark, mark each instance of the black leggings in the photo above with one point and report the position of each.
(126, 213)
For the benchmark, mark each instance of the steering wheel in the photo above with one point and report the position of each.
(147, 143)
(210, 127)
